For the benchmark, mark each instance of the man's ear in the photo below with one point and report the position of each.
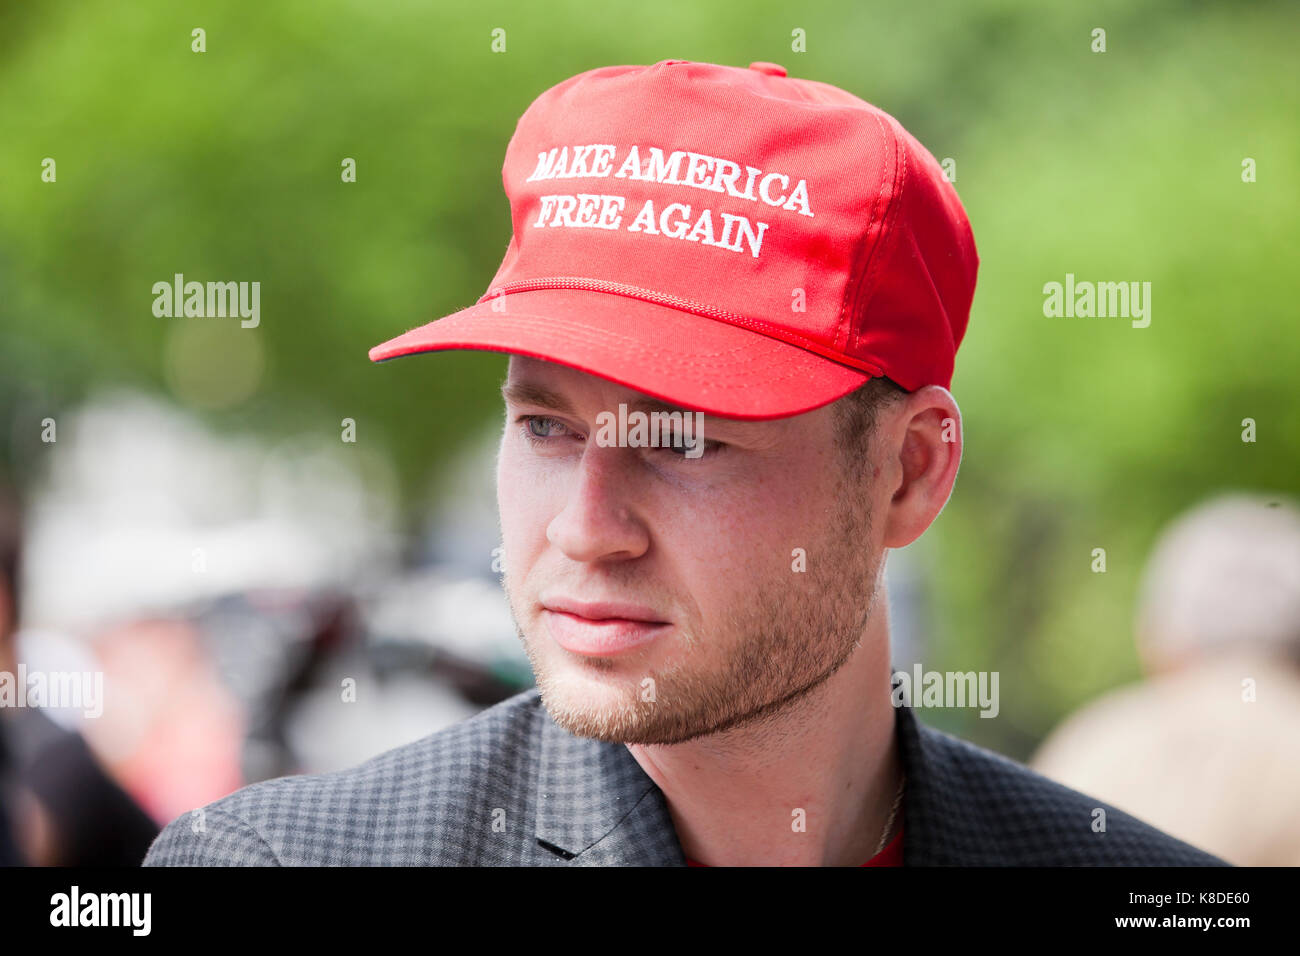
(921, 451)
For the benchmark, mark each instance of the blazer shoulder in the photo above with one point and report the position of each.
(1012, 815)
(396, 808)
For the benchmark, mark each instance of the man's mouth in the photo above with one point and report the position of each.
(601, 628)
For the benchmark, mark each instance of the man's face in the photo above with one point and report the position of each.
(754, 566)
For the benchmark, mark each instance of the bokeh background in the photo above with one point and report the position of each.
(200, 531)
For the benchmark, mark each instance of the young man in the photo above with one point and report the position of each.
(732, 302)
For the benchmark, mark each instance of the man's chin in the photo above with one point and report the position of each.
(599, 705)
(618, 712)
(629, 700)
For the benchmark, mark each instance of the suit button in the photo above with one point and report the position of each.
(772, 69)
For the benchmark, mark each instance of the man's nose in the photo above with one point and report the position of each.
(600, 520)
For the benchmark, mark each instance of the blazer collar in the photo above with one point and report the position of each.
(935, 811)
(596, 806)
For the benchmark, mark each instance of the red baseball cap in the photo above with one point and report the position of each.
(727, 240)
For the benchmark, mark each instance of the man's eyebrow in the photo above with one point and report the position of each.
(527, 393)
(730, 426)
(524, 393)
(651, 405)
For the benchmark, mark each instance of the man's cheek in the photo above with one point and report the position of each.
(518, 552)
(524, 519)
(513, 486)
(511, 511)
(741, 545)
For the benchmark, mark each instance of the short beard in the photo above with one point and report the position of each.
(786, 642)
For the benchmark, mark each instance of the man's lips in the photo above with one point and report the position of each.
(603, 610)
(601, 628)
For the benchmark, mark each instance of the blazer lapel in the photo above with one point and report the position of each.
(597, 807)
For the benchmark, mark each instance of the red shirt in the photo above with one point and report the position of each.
(891, 855)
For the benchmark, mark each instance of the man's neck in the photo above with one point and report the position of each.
(813, 785)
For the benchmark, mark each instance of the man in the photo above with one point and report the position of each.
(750, 262)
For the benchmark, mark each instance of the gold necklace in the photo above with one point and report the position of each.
(898, 798)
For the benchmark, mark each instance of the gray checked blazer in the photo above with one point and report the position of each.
(509, 787)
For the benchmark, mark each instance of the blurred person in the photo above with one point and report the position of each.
(704, 614)
(1207, 746)
(175, 732)
(10, 535)
(58, 805)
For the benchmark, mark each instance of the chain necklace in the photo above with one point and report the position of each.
(898, 799)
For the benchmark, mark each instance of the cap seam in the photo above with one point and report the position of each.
(694, 360)
(681, 304)
(854, 284)
(880, 253)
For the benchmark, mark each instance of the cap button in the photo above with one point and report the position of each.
(772, 69)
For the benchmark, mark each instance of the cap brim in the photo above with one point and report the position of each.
(683, 359)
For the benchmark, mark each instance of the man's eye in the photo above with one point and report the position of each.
(538, 428)
(678, 448)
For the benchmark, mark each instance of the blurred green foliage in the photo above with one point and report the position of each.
(1081, 433)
